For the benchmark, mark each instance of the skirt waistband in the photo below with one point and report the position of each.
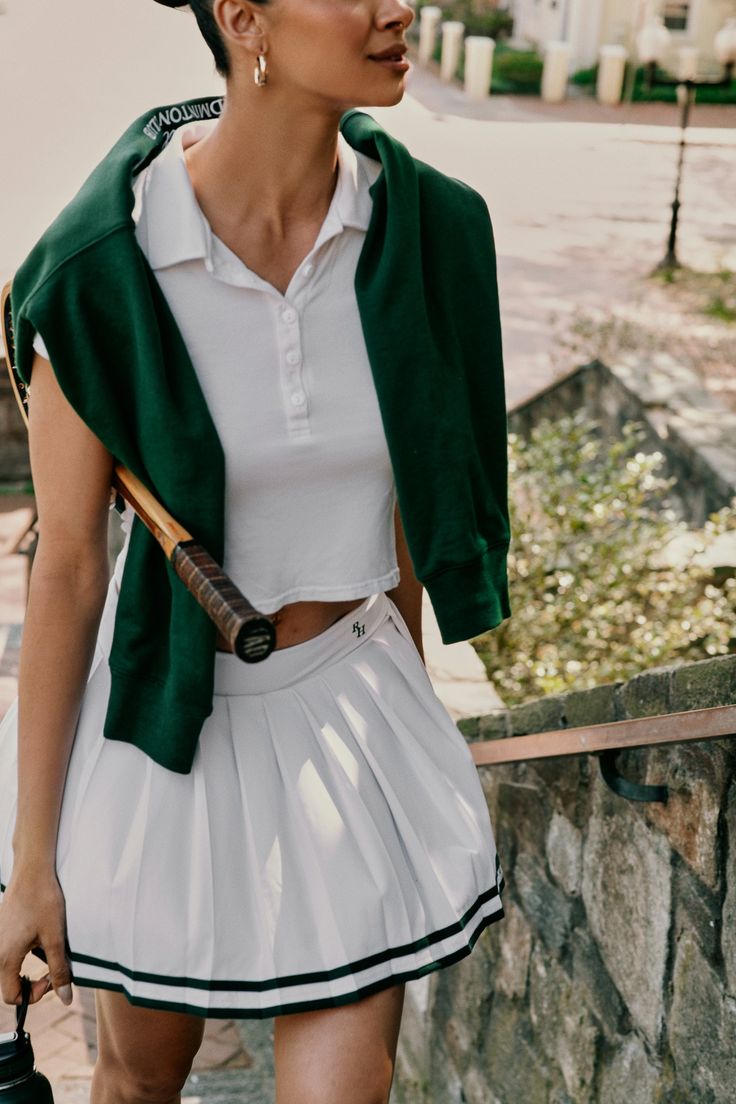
(285, 666)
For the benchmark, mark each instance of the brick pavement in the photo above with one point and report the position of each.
(65, 1039)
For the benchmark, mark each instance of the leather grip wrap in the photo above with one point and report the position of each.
(251, 634)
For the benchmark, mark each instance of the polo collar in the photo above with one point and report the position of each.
(176, 229)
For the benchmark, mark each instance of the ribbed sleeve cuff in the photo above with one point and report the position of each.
(471, 598)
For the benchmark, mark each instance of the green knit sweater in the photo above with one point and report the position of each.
(428, 301)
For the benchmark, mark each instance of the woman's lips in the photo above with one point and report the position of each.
(398, 64)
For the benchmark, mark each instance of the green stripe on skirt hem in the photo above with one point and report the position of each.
(300, 1006)
(297, 979)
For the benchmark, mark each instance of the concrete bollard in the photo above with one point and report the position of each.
(611, 67)
(555, 72)
(429, 21)
(478, 66)
(452, 44)
(687, 62)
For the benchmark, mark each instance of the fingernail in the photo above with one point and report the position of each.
(64, 993)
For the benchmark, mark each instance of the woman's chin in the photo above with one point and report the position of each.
(388, 98)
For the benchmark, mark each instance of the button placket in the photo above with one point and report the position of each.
(292, 382)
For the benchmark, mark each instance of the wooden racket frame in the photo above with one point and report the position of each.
(250, 634)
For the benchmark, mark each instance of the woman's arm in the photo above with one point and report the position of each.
(72, 474)
(407, 595)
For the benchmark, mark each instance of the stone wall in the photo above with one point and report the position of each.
(612, 977)
(695, 432)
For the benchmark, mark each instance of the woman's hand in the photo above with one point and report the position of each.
(33, 914)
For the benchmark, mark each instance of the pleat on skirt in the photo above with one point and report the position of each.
(331, 839)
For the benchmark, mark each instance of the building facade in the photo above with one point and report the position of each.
(590, 24)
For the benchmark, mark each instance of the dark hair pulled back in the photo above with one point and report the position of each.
(208, 27)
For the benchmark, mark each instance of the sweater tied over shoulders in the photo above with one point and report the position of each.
(426, 288)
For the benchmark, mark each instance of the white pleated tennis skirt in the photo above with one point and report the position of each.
(332, 838)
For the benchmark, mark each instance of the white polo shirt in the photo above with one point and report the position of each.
(309, 485)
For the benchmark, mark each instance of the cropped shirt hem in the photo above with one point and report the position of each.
(326, 594)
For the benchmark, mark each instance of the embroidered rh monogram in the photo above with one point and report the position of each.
(358, 628)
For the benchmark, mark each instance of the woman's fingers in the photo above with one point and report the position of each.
(32, 916)
(39, 988)
(59, 969)
(10, 988)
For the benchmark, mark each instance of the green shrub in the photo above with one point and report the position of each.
(585, 76)
(593, 600)
(495, 24)
(521, 69)
(727, 95)
(661, 94)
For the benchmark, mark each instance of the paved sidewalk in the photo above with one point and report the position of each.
(424, 86)
(580, 198)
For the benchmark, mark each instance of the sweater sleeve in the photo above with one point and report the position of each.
(486, 389)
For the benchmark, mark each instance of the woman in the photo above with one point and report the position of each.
(289, 328)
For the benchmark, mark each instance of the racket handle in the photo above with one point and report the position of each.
(251, 634)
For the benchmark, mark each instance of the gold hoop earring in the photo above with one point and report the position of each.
(260, 73)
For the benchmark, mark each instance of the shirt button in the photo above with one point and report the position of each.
(293, 357)
(308, 269)
(297, 398)
(289, 315)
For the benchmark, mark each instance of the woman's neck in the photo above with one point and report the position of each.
(268, 162)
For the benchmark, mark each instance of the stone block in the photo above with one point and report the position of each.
(564, 846)
(462, 1004)
(588, 707)
(491, 778)
(444, 1082)
(514, 942)
(468, 727)
(567, 783)
(696, 776)
(564, 1026)
(513, 1062)
(702, 685)
(521, 814)
(458, 1042)
(702, 1027)
(728, 925)
(226, 1087)
(540, 715)
(476, 1089)
(695, 908)
(594, 983)
(627, 892)
(494, 726)
(629, 1077)
(548, 910)
(646, 695)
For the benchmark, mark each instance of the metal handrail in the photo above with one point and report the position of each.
(610, 738)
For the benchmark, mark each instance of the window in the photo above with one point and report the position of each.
(675, 13)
